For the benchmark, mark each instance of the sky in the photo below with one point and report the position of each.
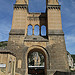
(67, 15)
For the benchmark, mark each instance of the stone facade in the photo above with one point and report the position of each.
(7, 62)
(52, 46)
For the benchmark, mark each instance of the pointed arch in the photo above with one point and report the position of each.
(30, 30)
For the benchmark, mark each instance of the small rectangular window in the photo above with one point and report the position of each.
(19, 63)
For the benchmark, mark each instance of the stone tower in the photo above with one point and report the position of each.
(51, 45)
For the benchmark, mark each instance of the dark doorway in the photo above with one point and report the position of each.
(36, 63)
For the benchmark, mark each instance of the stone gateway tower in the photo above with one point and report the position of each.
(37, 39)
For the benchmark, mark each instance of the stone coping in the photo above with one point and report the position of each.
(55, 32)
(17, 32)
(36, 38)
(27, 40)
(6, 51)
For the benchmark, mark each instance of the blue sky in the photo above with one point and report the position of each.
(67, 13)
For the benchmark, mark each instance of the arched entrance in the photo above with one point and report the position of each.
(36, 62)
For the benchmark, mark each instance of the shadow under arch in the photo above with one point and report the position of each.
(41, 50)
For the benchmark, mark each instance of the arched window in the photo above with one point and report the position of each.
(36, 30)
(43, 30)
(30, 30)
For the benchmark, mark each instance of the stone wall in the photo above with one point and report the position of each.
(64, 73)
(55, 47)
(9, 62)
(52, 45)
(58, 54)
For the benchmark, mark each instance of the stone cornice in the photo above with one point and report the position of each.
(37, 17)
(20, 6)
(7, 52)
(55, 32)
(36, 39)
(17, 32)
(54, 7)
(26, 40)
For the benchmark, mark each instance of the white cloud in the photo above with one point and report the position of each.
(70, 38)
(60, 2)
(70, 43)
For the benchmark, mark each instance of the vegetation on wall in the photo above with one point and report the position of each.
(3, 43)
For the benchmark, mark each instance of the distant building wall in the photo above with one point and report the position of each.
(70, 60)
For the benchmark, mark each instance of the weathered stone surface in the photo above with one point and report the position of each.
(7, 57)
(17, 32)
(58, 53)
(64, 73)
(57, 32)
(52, 45)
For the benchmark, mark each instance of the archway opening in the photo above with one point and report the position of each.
(36, 62)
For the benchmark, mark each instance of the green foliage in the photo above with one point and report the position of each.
(3, 43)
(73, 56)
(3, 70)
(72, 70)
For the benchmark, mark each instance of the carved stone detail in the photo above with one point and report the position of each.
(53, 7)
(20, 6)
